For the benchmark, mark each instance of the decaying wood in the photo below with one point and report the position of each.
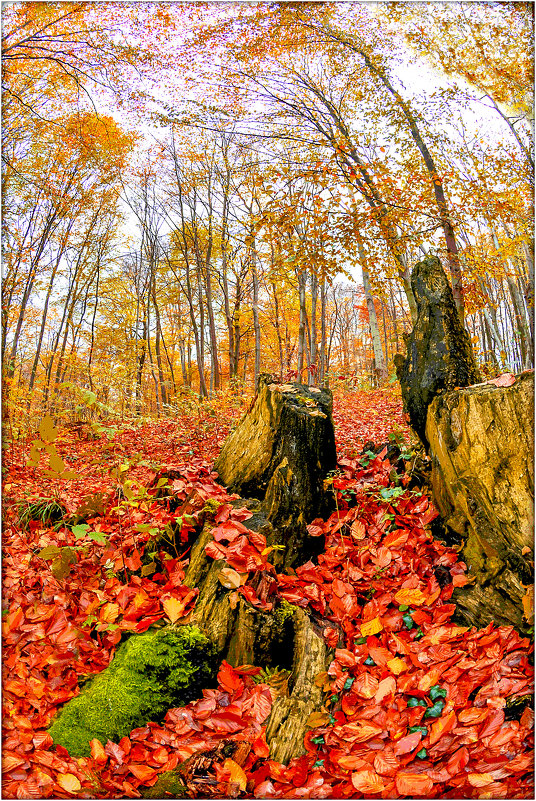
(287, 724)
(270, 639)
(280, 455)
(439, 354)
(481, 442)
(281, 452)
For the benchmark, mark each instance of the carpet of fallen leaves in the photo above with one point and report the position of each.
(414, 704)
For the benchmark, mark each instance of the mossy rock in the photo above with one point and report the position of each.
(151, 673)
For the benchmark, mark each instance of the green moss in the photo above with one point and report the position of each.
(282, 612)
(168, 785)
(150, 674)
(211, 507)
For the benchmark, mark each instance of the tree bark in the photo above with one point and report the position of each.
(439, 354)
(481, 446)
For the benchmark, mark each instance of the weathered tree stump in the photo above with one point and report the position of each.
(439, 354)
(280, 453)
(480, 442)
(481, 445)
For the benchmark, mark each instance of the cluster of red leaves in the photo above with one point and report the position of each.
(367, 416)
(378, 557)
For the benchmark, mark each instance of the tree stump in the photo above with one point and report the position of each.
(481, 445)
(280, 453)
(439, 354)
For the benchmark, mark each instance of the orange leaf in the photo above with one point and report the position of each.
(237, 774)
(479, 779)
(359, 732)
(142, 772)
(69, 782)
(352, 762)
(504, 380)
(429, 679)
(441, 726)
(386, 687)
(229, 578)
(473, 715)
(386, 763)
(408, 743)
(413, 784)
(397, 665)
(371, 627)
(357, 529)
(367, 781)
(173, 608)
(365, 685)
(97, 751)
(410, 597)
(109, 613)
(317, 719)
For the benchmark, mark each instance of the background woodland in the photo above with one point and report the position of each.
(196, 192)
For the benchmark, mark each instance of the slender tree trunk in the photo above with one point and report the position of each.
(313, 370)
(380, 369)
(255, 310)
(301, 330)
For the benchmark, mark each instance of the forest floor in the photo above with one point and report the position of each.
(415, 705)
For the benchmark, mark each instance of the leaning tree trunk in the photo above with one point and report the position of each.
(480, 441)
(278, 458)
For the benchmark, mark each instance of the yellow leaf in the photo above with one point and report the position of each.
(528, 604)
(173, 608)
(317, 719)
(56, 463)
(229, 578)
(371, 627)
(237, 774)
(47, 430)
(397, 665)
(480, 779)
(69, 782)
(410, 597)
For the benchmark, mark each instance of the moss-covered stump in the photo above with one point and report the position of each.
(281, 452)
(150, 673)
(439, 354)
(481, 442)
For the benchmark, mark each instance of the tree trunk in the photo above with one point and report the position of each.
(380, 370)
(280, 453)
(439, 354)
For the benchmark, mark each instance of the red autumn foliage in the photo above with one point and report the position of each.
(414, 705)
